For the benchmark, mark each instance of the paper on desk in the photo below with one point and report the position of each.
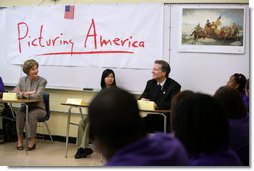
(74, 101)
(10, 96)
(146, 105)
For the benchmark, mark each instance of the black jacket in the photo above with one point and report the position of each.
(164, 97)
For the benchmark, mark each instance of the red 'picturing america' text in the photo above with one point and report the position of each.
(25, 39)
(97, 43)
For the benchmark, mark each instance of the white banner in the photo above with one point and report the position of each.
(95, 35)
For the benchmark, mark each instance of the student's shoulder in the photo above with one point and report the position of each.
(170, 141)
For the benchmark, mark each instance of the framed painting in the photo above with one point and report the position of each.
(212, 29)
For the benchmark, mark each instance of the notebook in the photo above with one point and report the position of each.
(10, 96)
(146, 105)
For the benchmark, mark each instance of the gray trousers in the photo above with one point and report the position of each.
(82, 137)
(33, 116)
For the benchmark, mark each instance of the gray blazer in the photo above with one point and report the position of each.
(38, 85)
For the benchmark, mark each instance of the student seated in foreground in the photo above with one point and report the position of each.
(116, 129)
(200, 122)
(231, 99)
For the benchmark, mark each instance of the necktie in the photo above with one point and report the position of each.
(158, 91)
(158, 88)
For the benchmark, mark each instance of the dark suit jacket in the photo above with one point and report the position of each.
(169, 90)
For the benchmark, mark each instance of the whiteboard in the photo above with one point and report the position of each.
(77, 78)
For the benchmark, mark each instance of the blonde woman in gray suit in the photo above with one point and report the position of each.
(30, 86)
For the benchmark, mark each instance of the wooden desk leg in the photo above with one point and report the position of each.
(27, 128)
(67, 131)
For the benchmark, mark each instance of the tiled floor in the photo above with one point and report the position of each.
(45, 154)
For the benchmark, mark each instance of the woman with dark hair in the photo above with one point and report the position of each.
(30, 86)
(238, 81)
(238, 121)
(107, 80)
(200, 123)
(177, 98)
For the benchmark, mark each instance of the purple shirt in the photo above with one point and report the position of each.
(155, 150)
(239, 138)
(219, 158)
(245, 99)
(1, 85)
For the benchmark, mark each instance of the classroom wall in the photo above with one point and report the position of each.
(44, 2)
(57, 122)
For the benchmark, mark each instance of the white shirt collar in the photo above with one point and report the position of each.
(162, 83)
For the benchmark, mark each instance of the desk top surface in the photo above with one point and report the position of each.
(75, 105)
(87, 104)
(20, 101)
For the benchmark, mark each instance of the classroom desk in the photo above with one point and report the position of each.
(25, 102)
(70, 123)
(158, 112)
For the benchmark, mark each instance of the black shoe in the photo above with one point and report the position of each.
(31, 148)
(79, 153)
(87, 152)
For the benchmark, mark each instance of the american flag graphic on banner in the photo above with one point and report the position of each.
(69, 12)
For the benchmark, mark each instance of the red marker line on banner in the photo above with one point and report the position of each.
(85, 52)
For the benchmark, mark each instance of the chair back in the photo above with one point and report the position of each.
(46, 118)
(46, 101)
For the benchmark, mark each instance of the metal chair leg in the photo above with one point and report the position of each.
(49, 132)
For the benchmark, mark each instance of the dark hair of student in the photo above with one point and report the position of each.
(177, 98)
(114, 118)
(164, 66)
(200, 123)
(232, 101)
(106, 73)
(240, 80)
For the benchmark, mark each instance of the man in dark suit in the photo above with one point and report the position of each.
(161, 89)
